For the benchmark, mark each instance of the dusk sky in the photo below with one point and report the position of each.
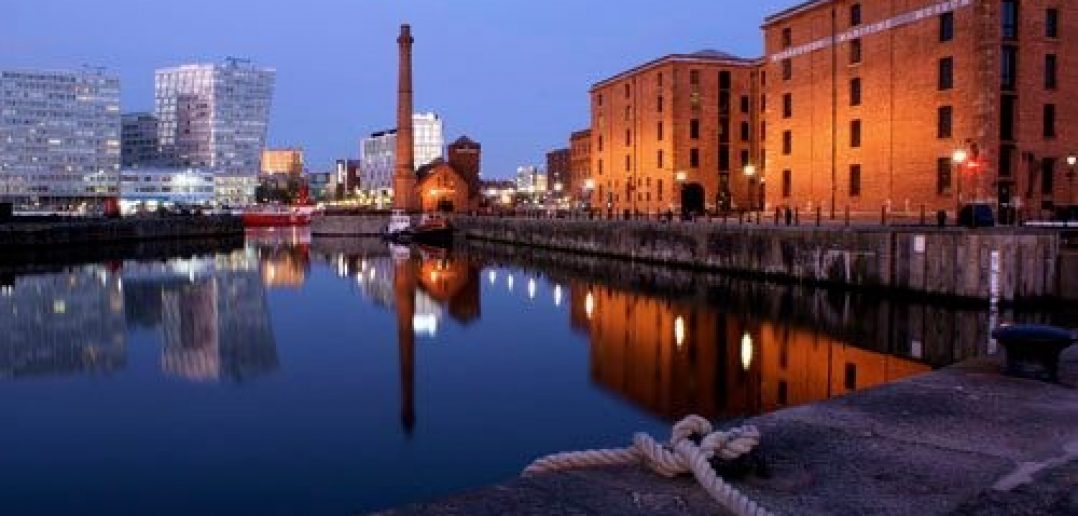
(511, 74)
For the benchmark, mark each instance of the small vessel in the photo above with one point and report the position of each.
(277, 216)
(433, 229)
(400, 226)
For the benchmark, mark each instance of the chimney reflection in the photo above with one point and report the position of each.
(675, 358)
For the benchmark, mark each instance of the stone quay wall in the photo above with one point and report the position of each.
(74, 231)
(1006, 264)
(349, 225)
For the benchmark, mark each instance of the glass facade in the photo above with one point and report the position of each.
(59, 136)
(379, 153)
(215, 116)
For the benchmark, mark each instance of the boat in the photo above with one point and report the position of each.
(399, 228)
(433, 229)
(277, 216)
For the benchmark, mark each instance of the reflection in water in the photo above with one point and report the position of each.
(674, 358)
(211, 314)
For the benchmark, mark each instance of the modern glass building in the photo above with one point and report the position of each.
(215, 117)
(59, 136)
(379, 155)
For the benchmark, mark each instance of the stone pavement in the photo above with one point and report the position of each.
(963, 440)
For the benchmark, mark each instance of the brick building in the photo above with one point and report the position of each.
(867, 104)
(558, 165)
(282, 162)
(465, 156)
(579, 164)
(677, 132)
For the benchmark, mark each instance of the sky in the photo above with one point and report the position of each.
(513, 75)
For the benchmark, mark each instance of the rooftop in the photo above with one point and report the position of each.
(799, 8)
(703, 56)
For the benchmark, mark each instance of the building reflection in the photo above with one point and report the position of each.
(421, 286)
(62, 324)
(210, 312)
(675, 358)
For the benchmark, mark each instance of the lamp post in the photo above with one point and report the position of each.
(750, 177)
(680, 177)
(589, 187)
(1072, 162)
(958, 158)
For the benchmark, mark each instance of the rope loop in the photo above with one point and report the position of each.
(693, 443)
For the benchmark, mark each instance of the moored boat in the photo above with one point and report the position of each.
(433, 229)
(277, 217)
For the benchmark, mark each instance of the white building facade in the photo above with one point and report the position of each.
(146, 189)
(378, 155)
(59, 136)
(215, 117)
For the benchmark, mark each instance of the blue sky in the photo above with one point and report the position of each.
(511, 74)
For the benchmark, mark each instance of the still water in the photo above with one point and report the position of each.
(285, 375)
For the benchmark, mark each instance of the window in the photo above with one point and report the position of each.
(659, 132)
(724, 130)
(660, 189)
(1006, 160)
(744, 158)
(600, 143)
(787, 69)
(787, 183)
(943, 176)
(725, 80)
(745, 130)
(1049, 120)
(660, 79)
(659, 159)
(599, 100)
(600, 166)
(855, 91)
(1050, 71)
(628, 137)
(724, 157)
(855, 15)
(855, 133)
(660, 103)
(787, 105)
(787, 38)
(787, 142)
(1051, 23)
(694, 129)
(1048, 168)
(946, 73)
(855, 180)
(946, 27)
(1009, 19)
(1006, 117)
(763, 130)
(1009, 65)
(745, 104)
(694, 158)
(694, 77)
(628, 113)
(944, 122)
(628, 91)
(628, 163)
(855, 51)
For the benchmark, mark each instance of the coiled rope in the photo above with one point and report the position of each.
(680, 455)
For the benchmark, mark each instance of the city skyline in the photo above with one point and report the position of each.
(335, 87)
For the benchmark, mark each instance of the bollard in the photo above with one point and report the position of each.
(1033, 351)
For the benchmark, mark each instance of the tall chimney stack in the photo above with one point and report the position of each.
(404, 176)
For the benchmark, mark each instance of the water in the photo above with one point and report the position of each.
(288, 376)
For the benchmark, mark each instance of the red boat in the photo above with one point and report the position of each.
(277, 217)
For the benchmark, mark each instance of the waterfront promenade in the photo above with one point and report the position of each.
(40, 232)
(962, 440)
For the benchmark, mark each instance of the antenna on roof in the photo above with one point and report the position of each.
(235, 62)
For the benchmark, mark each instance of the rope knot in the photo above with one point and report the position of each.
(693, 444)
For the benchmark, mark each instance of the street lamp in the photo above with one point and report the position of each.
(750, 175)
(1072, 162)
(959, 158)
(680, 177)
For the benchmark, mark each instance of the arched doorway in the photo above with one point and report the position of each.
(692, 199)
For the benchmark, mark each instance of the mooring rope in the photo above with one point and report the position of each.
(681, 455)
